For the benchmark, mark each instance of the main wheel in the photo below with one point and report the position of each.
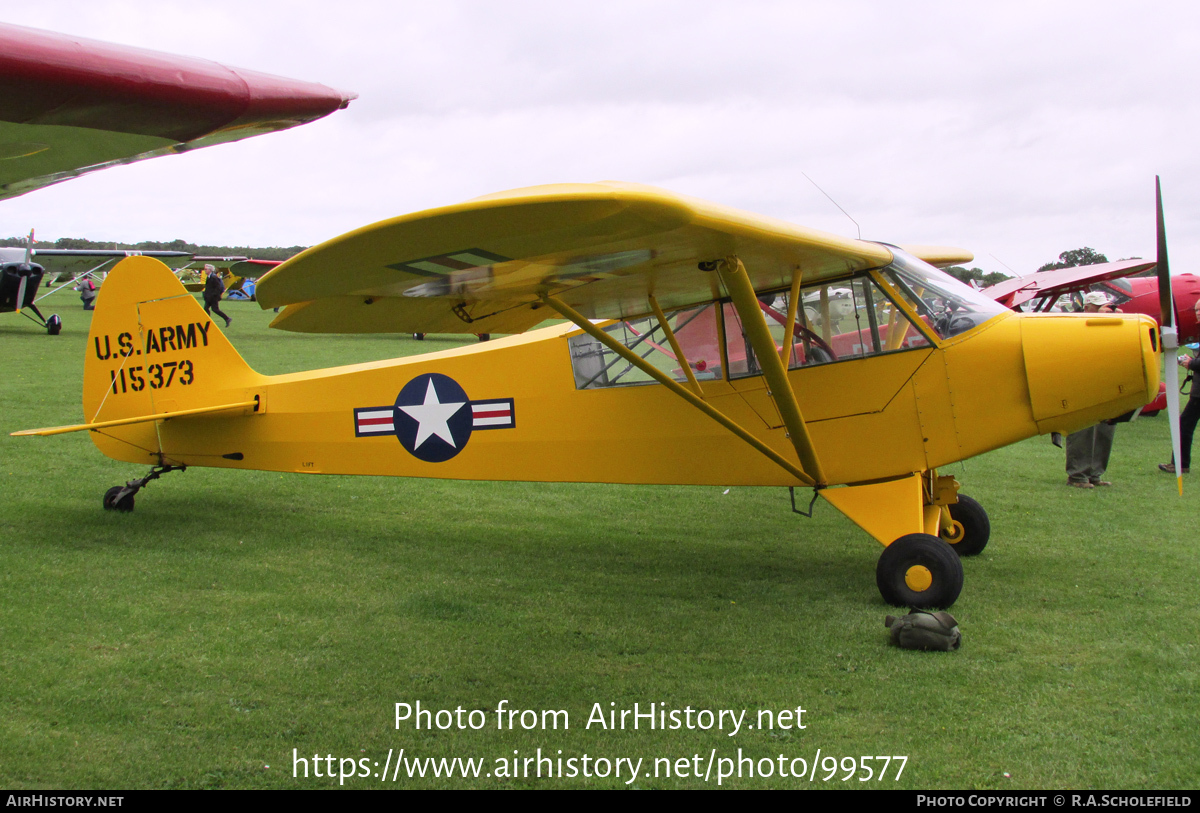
(54, 325)
(819, 355)
(919, 571)
(971, 529)
(824, 352)
(111, 503)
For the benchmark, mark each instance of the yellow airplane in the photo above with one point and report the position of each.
(235, 272)
(686, 358)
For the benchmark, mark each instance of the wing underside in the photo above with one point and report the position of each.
(70, 105)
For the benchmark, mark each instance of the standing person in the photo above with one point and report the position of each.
(213, 288)
(87, 293)
(1190, 415)
(1088, 449)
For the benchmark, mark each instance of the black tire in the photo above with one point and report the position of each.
(419, 337)
(975, 526)
(819, 355)
(915, 558)
(110, 504)
(819, 346)
(54, 325)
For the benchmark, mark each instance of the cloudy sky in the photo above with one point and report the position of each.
(1016, 130)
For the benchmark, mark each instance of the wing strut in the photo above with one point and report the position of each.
(683, 392)
(76, 280)
(790, 331)
(733, 273)
(680, 357)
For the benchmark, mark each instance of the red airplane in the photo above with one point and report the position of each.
(1041, 291)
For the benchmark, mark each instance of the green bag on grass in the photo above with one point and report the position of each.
(925, 631)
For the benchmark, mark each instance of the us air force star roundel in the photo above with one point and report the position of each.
(430, 419)
(433, 418)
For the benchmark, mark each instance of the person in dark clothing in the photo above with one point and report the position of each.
(87, 293)
(213, 289)
(1187, 421)
(1088, 449)
(1190, 415)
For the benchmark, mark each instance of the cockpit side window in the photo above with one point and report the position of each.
(595, 366)
(946, 305)
(850, 318)
(835, 321)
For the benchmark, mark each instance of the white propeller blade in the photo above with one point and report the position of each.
(1169, 337)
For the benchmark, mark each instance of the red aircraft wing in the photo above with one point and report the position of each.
(70, 105)
(1012, 293)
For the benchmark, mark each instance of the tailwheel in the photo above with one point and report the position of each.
(919, 571)
(119, 498)
(970, 529)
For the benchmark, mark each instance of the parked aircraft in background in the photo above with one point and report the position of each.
(1124, 283)
(23, 269)
(240, 274)
(74, 263)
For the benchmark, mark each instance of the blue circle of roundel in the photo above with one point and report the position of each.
(432, 417)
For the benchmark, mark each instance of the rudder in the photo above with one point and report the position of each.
(153, 349)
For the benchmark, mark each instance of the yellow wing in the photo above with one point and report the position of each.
(604, 248)
(941, 256)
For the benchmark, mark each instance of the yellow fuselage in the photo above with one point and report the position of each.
(871, 419)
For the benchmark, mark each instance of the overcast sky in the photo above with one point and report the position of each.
(1016, 130)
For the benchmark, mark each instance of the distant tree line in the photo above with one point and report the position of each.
(272, 253)
(967, 275)
(1076, 257)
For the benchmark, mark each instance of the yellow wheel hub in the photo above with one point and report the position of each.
(918, 578)
(954, 533)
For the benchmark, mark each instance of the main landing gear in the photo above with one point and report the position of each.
(19, 283)
(919, 571)
(923, 571)
(970, 528)
(52, 323)
(120, 498)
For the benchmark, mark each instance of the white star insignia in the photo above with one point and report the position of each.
(432, 417)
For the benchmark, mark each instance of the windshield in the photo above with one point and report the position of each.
(947, 305)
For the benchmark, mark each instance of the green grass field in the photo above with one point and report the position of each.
(236, 616)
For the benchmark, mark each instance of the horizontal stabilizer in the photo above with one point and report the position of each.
(160, 416)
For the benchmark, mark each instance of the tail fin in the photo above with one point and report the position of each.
(153, 350)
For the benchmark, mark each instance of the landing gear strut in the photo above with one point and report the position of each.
(53, 324)
(120, 498)
(969, 529)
